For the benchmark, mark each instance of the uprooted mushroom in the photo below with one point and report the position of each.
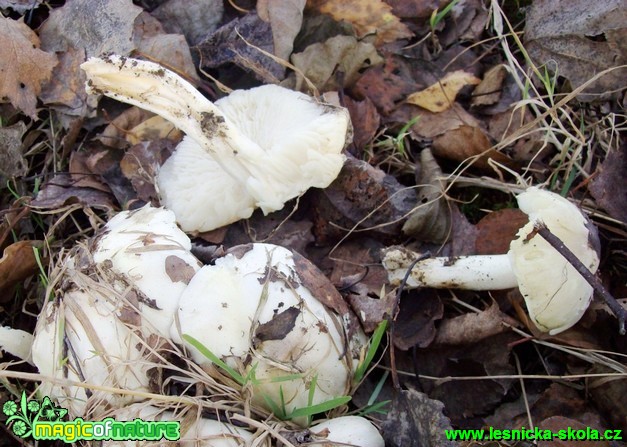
(133, 298)
(556, 295)
(255, 148)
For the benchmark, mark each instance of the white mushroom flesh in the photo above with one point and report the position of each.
(255, 311)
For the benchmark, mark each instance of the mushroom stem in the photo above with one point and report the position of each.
(482, 272)
(16, 342)
(151, 87)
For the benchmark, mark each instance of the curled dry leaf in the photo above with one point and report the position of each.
(18, 262)
(497, 230)
(361, 196)
(473, 327)
(441, 95)
(24, 68)
(413, 416)
(430, 221)
(466, 143)
(320, 62)
(489, 89)
(285, 18)
(608, 185)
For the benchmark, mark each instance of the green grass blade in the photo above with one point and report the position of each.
(373, 346)
(214, 358)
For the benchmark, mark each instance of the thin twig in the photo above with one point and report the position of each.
(395, 311)
(597, 285)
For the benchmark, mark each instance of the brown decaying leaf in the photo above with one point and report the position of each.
(440, 95)
(371, 311)
(321, 62)
(98, 26)
(412, 418)
(18, 262)
(178, 270)
(278, 327)
(430, 221)
(23, 66)
(496, 231)
(66, 89)
(578, 39)
(235, 43)
(473, 327)
(465, 142)
(415, 9)
(285, 18)
(489, 89)
(12, 162)
(415, 322)
(463, 399)
(607, 186)
(60, 191)
(193, 18)
(385, 85)
(610, 397)
(365, 120)
(362, 196)
(141, 163)
(367, 17)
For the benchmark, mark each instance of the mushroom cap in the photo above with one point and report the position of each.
(555, 293)
(256, 310)
(287, 143)
(147, 253)
(299, 141)
(202, 195)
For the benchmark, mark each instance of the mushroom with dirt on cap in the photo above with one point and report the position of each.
(255, 148)
(556, 295)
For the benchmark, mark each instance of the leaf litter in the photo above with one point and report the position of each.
(442, 97)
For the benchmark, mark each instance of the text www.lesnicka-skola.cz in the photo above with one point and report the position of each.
(534, 434)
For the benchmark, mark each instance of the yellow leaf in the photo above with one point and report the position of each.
(440, 96)
(366, 16)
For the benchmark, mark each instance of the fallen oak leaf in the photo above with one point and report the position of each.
(440, 95)
(24, 68)
(17, 263)
(367, 17)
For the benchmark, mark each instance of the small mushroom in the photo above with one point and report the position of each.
(555, 293)
(253, 148)
(261, 308)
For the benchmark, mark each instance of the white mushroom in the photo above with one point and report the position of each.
(143, 252)
(112, 296)
(197, 432)
(254, 148)
(262, 309)
(555, 293)
(353, 431)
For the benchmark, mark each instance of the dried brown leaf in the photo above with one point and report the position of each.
(578, 39)
(497, 230)
(320, 62)
(361, 196)
(367, 17)
(18, 262)
(430, 221)
(489, 89)
(441, 95)
(23, 66)
(98, 26)
(193, 18)
(412, 418)
(472, 327)
(466, 142)
(285, 18)
(608, 185)
(12, 162)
